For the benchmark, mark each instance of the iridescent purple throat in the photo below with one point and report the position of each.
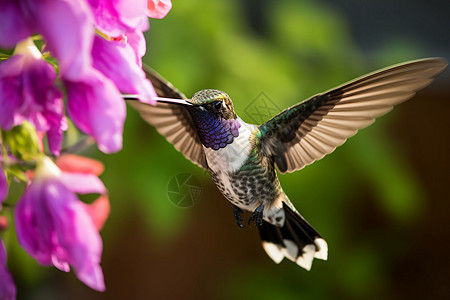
(214, 131)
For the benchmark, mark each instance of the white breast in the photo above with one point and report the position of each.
(231, 157)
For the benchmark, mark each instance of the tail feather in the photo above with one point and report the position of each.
(296, 240)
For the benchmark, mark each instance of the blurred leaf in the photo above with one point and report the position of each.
(16, 172)
(23, 141)
(397, 189)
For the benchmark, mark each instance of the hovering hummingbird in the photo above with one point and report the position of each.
(242, 158)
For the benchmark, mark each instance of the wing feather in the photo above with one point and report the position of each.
(172, 120)
(308, 131)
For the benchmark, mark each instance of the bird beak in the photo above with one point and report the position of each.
(173, 101)
(159, 99)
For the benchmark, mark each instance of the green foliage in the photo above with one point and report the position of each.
(23, 141)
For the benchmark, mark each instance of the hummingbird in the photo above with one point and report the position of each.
(244, 159)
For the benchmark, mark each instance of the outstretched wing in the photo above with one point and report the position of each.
(172, 120)
(308, 131)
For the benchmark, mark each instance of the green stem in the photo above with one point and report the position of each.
(79, 146)
(3, 146)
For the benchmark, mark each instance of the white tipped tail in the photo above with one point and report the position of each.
(295, 240)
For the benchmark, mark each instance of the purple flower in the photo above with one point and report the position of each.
(95, 105)
(27, 93)
(53, 226)
(65, 25)
(7, 287)
(13, 26)
(68, 28)
(71, 163)
(119, 62)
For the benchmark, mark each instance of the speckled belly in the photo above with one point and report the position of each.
(254, 183)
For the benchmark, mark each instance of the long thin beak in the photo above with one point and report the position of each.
(159, 99)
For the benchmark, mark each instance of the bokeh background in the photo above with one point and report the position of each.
(381, 200)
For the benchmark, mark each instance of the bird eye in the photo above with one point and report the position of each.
(217, 104)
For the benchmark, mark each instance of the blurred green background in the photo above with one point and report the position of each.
(381, 200)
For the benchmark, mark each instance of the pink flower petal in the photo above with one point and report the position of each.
(55, 135)
(72, 163)
(86, 252)
(117, 17)
(158, 9)
(99, 211)
(10, 98)
(13, 26)
(137, 42)
(97, 108)
(117, 61)
(23, 98)
(3, 224)
(52, 225)
(7, 287)
(67, 28)
(82, 183)
(132, 13)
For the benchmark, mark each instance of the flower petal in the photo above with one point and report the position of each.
(42, 102)
(86, 251)
(132, 14)
(13, 26)
(117, 17)
(82, 183)
(55, 135)
(53, 226)
(97, 108)
(117, 61)
(23, 98)
(34, 224)
(137, 41)
(7, 287)
(99, 211)
(158, 9)
(10, 97)
(3, 224)
(72, 163)
(67, 28)
(43, 105)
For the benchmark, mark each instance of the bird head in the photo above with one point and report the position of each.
(215, 101)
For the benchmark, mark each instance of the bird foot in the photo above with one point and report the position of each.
(237, 216)
(257, 216)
